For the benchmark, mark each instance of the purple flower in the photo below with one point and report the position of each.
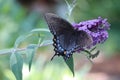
(97, 28)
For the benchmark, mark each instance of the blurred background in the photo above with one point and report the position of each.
(18, 17)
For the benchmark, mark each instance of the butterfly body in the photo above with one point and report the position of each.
(66, 39)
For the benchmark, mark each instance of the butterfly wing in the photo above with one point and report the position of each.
(57, 24)
(75, 39)
(83, 39)
(67, 40)
(64, 34)
(62, 29)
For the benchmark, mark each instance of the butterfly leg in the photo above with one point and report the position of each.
(53, 56)
(92, 49)
(92, 55)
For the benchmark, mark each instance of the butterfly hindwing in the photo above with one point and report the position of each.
(83, 39)
(75, 39)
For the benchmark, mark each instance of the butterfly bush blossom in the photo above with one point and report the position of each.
(96, 28)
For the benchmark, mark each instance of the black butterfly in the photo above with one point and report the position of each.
(66, 39)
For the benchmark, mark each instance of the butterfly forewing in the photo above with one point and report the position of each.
(57, 24)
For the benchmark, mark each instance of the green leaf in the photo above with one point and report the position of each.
(70, 64)
(70, 9)
(16, 64)
(23, 37)
(40, 30)
(31, 49)
(46, 42)
(68, 5)
(20, 39)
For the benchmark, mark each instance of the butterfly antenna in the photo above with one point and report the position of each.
(88, 57)
(90, 60)
(53, 56)
(92, 49)
(96, 54)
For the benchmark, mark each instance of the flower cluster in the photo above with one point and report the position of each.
(97, 28)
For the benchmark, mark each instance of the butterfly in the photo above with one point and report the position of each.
(67, 40)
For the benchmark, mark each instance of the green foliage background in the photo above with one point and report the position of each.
(15, 21)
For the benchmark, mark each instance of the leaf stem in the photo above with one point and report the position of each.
(9, 51)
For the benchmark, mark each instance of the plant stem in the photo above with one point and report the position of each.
(9, 51)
